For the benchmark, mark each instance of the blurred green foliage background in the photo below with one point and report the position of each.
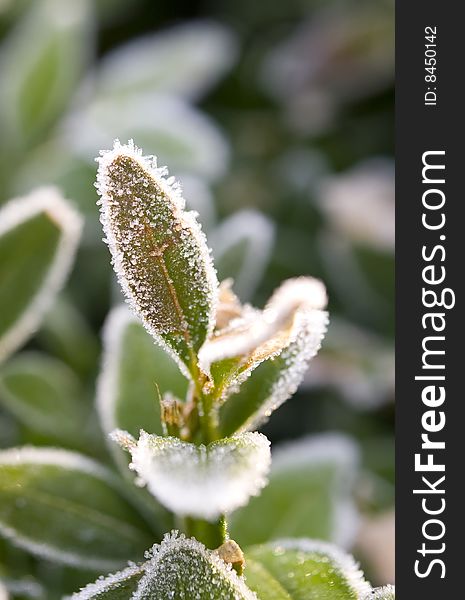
(285, 108)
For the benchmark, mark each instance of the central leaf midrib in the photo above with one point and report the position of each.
(172, 291)
(266, 571)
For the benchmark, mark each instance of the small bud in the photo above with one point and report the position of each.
(171, 413)
(231, 553)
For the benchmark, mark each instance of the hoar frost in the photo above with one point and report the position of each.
(183, 569)
(200, 481)
(260, 334)
(288, 333)
(158, 249)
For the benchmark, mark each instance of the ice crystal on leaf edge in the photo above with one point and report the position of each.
(172, 543)
(47, 200)
(199, 481)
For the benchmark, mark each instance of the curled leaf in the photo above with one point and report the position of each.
(260, 358)
(159, 252)
(199, 481)
(39, 234)
(64, 507)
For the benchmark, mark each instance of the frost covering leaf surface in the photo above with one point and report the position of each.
(266, 353)
(303, 569)
(178, 568)
(39, 234)
(64, 507)
(200, 481)
(184, 569)
(159, 251)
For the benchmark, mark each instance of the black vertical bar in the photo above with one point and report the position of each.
(420, 128)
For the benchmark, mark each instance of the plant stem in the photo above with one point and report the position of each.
(210, 534)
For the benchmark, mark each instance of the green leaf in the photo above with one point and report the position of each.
(186, 60)
(159, 252)
(36, 86)
(135, 373)
(308, 494)
(64, 507)
(242, 245)
(177, 568)
(388, 592)
(184, 569)
(200, 481)
(303, 570)
(47, 397)
(38, 238)
(118, 586)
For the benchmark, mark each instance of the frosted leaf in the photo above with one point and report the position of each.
(39, 234)
(242, 245)
(159, 251)
(183, 569)
(117, 586)
(259, 359)
(388, 592)
(186, 60)
(199, 481)
(305, 568)
(64, 507)
(259, 334)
